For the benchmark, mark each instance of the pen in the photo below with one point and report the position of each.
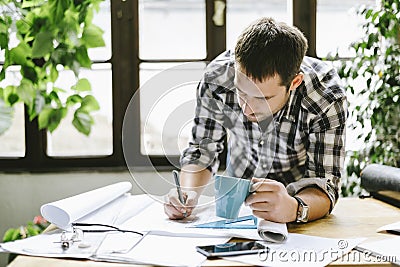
(178, 189)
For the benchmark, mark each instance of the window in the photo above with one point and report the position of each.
(240, 14)
(338, 25)
(66, 140)
(167, 101)
(151, 38)
(172, 29)
(12, 142)
(172, 49)
(24, 147)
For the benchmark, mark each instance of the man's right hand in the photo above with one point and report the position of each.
(174, 209)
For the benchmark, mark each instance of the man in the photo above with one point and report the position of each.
(285, 117)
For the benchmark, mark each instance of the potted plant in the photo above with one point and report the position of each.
(32, 228)
(373, 78)
(50, 36)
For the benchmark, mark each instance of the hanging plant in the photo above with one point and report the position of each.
(51, 35)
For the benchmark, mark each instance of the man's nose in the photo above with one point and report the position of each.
(246, 108)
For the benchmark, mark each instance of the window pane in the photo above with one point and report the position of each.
(66, 140)
(338, 25)
(12, 142)
(167, 104)
(240, 13)
(102, 19)
(172, 29)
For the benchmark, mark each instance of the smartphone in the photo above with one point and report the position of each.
(232, 249)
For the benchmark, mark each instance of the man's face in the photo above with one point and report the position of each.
(259, 100)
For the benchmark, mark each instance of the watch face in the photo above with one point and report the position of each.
(302, 211)
(304, 214)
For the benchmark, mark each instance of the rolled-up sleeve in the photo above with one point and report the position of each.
(325, 153)
(208, 133)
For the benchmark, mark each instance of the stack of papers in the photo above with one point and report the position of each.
(163, 241)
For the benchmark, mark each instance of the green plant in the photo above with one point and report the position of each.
(32, 228)
(373, 77)
(52, 35)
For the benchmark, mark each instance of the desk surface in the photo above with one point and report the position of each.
(351, 217)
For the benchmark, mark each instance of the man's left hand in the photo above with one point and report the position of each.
(271, 201)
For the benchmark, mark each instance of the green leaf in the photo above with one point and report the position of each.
(53, 73)
(19, 54)
(50, 118)
(368, 14)
(54, 96)
(89, 103)
(82, 57)
(12, 99)
(74, 66)
(3, 73)
(82, 121)
(32, 230)
(57, 8)
(8, 235)
(16, 234)
(73, 99)
(82, 85)
(10, 95)
(4, 26)
(23, 26)
(71, 24)
(31, 3)
(6, 117)
(44, 117)
(3, 40)
(92, 36)
(29, 73)
(26, 92)
(42, 44)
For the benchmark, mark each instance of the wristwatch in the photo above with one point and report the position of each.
(302, 211)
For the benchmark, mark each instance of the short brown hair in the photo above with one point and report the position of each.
(266, 48)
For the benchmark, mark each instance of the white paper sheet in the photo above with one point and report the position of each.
(166, 250)
(301, 250)
(47, 245)
(386, 250)
(153, 218)
(395, 227)
(63, 212)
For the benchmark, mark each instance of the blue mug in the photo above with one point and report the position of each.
(230, 193)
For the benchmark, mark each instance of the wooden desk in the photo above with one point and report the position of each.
(351, 217)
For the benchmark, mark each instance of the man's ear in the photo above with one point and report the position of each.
(297, 80)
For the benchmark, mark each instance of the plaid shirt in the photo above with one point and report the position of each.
(302, 145)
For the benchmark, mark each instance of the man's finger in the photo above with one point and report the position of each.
(264, 185)
(172, 212)
(261, 206)
(260, 197)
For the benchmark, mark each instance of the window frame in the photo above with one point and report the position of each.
(125, 63)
